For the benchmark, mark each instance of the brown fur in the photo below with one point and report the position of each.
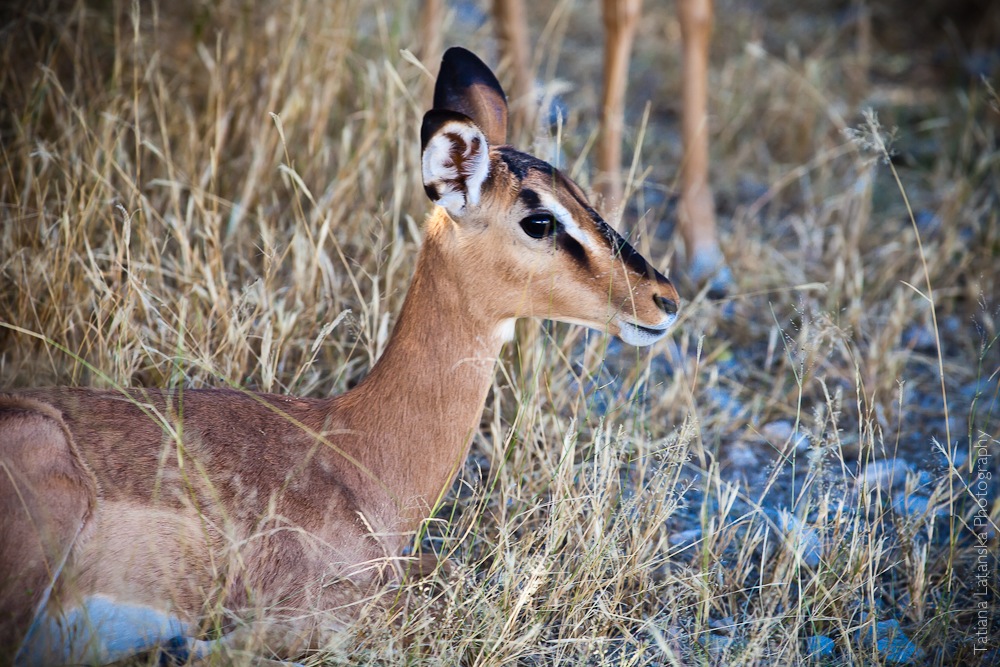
(284, 508)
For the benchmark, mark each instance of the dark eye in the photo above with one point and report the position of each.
(539, 225)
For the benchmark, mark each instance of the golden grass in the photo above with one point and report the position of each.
(230, 194)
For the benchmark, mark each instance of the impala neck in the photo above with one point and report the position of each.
(415, 413)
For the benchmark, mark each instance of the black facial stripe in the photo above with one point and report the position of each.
(624, 250)
(573, 247)
(530, 199)
(520, 164)
(619, 246)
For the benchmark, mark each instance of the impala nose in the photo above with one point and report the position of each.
(669, 306)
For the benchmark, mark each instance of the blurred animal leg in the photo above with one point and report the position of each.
(431, 24)
(697, 206)
(515, 52)
(621, 18)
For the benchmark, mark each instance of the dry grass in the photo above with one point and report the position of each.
(229, 194)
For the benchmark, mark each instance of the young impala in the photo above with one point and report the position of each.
(125, 516)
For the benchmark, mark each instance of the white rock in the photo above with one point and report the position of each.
(685, 537)
(819, 646)
(798, 536)
(741, 455)
(782, 431)
(914, 505)
(890, 641)
(885, 475)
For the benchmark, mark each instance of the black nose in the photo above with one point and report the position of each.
(669, 306)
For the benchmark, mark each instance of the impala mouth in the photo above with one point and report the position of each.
(640, 334)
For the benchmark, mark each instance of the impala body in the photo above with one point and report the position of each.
(127, 517)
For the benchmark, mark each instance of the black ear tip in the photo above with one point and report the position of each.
(457, 55)
(461, 68)
(466, 85)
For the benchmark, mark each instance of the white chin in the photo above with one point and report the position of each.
(640, 336)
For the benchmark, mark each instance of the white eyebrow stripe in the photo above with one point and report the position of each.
(565, 218)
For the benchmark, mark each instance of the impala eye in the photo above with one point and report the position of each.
(539, 225)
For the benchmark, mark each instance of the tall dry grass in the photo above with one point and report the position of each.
(230, 194)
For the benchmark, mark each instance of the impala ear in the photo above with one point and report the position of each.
(466, 85)
(455, 161)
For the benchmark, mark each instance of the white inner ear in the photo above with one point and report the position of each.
(455, 164)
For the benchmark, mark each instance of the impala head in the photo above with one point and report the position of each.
(528, 242)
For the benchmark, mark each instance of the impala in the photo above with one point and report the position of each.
(126, 515)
